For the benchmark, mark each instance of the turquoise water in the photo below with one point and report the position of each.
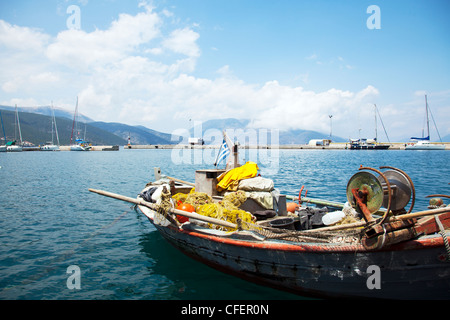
(50, 221)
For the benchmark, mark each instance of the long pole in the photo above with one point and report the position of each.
(3, 127)
(428, 121)
(18, 124)
(152, 206)
(56, 127)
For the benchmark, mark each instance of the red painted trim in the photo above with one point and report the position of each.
(308, 247)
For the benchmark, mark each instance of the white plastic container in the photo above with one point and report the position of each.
(333, 217)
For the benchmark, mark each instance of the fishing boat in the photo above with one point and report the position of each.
(50, 146)
(370, 247)
(424, 143)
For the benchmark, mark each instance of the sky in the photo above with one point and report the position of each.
(288, 64)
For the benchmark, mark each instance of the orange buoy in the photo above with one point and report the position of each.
(185, 207)
(291, 206)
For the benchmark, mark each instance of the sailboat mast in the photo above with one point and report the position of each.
(56, 127)
(73, 123)
(428, 121)
(376, 131)
(3, 127)
(18, 124)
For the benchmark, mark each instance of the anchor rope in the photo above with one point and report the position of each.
(444, 236)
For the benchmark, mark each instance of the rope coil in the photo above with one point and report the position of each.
(444, 236)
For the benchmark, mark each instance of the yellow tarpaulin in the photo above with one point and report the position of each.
(230, 179)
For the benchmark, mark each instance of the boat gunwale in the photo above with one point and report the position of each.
(425, 242)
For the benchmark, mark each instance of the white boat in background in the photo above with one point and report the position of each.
(11, 146)
(51, 146)
(424, 145)
(14, 148)
(371, 144)
(424, 142)
(80, 144)
(79, 147)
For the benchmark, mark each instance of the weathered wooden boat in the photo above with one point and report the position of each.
(390, 253)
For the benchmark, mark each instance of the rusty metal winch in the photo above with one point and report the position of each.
(392, 189)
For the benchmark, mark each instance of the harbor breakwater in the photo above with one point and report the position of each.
(336, 146)
(332, 146)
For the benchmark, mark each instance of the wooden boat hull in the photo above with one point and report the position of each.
(411, 270)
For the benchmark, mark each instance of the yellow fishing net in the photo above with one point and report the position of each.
(193, 198)
(227, 209)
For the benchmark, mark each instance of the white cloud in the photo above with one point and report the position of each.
(128, 73)
(81, 50)
(22, 39)
(183, 41)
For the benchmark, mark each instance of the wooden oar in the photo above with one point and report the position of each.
(152, 206)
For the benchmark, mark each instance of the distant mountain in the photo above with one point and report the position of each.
(47, 111)
(137, 134)
(297, 136)
(37, 129)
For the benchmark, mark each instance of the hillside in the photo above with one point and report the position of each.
(37, 129)
(47, 111)
(298, 136)
(137, 134)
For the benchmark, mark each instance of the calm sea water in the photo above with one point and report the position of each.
(50, 221)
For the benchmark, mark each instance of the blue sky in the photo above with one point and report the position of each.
(282, 64)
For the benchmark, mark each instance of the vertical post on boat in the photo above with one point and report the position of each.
(157, 173)
(235, 160)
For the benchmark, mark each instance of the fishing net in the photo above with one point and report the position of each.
(228, 210)
(347, 236)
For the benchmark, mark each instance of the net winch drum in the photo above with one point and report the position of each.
(391, 189)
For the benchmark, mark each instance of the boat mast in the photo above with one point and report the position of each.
(3, 127)
(73, 123)
(381, 120)
(56, 127)
(18, 124)
(375, 114)
(428, 121)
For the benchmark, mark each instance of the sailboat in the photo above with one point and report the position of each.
(370, 144)
(11, 146)
(80, 144)
(3, 148)
(424, 142)
(51, 146)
